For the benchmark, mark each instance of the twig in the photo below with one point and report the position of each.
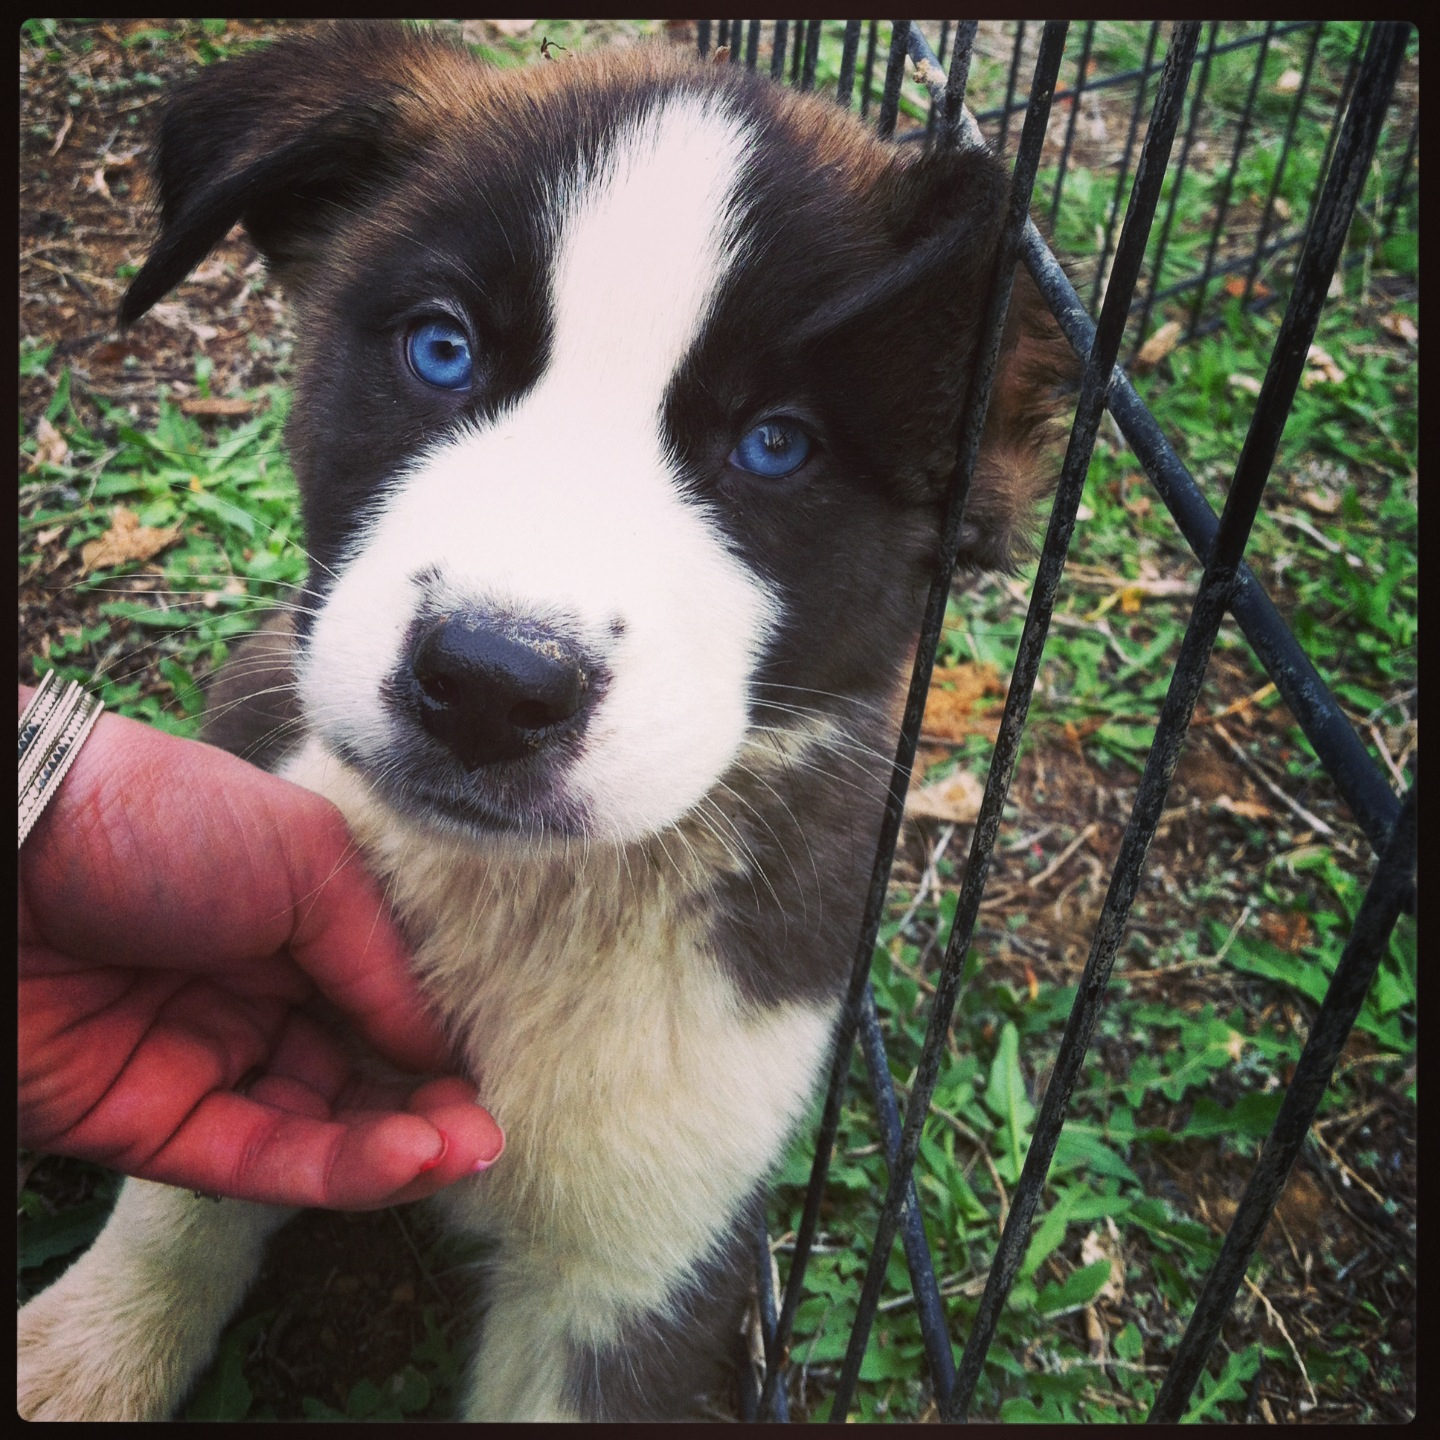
(1036, 880)
(1201, 960)
(1385, 755)
(1333, 1156)
(1279, 1324)
(981, 1147)
(1245, 700)
(1314, 821)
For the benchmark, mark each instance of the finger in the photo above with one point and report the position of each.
(476, 1141)
(234, 1145)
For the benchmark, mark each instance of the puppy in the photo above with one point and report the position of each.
(626, 393)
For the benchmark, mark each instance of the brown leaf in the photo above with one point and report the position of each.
(955, 690)
(1096, 1246)
(1291, 932)
(1402, 327)
(1246, 809)
(50, 446)
(1325, 501)
(1320, 365)
(1158, 346)
(217, 405)
(955, 799)
(126, 539)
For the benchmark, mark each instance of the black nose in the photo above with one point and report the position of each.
(489, 693)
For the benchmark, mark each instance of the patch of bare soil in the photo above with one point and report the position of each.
(1340, 1251)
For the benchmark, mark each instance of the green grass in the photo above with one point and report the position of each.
(232, 497)
(1336, 545)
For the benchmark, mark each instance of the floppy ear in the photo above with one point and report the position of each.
(920, 318)
(284, 140)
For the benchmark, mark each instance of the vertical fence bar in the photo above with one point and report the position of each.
(812, 54)
(752, 44)
(1301, 91)
(777, 50)
(1047, 66)
(894, 75)
(929, 1308)
(1336, 1018)
(702, 38)
(1157, 269)
(1076, 97)
(1402, 189)
(953, 102)
(1094, 385)
(1097, 290)
(1343, 103)
(1011, 80)
(871, 40)
(1222, 208)
(845, 86)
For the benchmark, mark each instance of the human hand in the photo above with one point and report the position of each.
(177, 906)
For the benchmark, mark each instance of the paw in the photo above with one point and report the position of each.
(78, 1359)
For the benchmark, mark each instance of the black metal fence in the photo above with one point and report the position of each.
(1122, 284)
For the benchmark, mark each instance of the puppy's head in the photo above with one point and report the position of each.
(626, 394)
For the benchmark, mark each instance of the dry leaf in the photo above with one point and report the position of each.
(1159, 345)
(50, 446)
(1096, 1246)
(217, 405)
(1245, 809)
(62, 132)
(1320, 365)
(1288, 82)
(1325, 501)
(126, 539)
(1130, 598)
(955, 799)
(1248, 383)
(955, 690)
(513, 27)
(1291, 932)
(1402, 327)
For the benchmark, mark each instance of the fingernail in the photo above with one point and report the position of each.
(439, 1155)
(487, 1163)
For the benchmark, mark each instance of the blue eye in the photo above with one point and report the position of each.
(439, 353)
(773, 448)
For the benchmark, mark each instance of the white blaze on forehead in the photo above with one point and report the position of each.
(567, 506)
(646, 240)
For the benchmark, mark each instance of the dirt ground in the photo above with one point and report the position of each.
(84, 130)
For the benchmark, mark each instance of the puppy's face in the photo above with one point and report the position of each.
(620, 419)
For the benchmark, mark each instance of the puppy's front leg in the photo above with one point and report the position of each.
(131, 1325)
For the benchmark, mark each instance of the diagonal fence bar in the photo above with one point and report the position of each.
(1317, 264)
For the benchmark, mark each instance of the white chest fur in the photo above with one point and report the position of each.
(640, 1096)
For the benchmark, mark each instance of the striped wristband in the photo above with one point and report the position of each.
(52, 730)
